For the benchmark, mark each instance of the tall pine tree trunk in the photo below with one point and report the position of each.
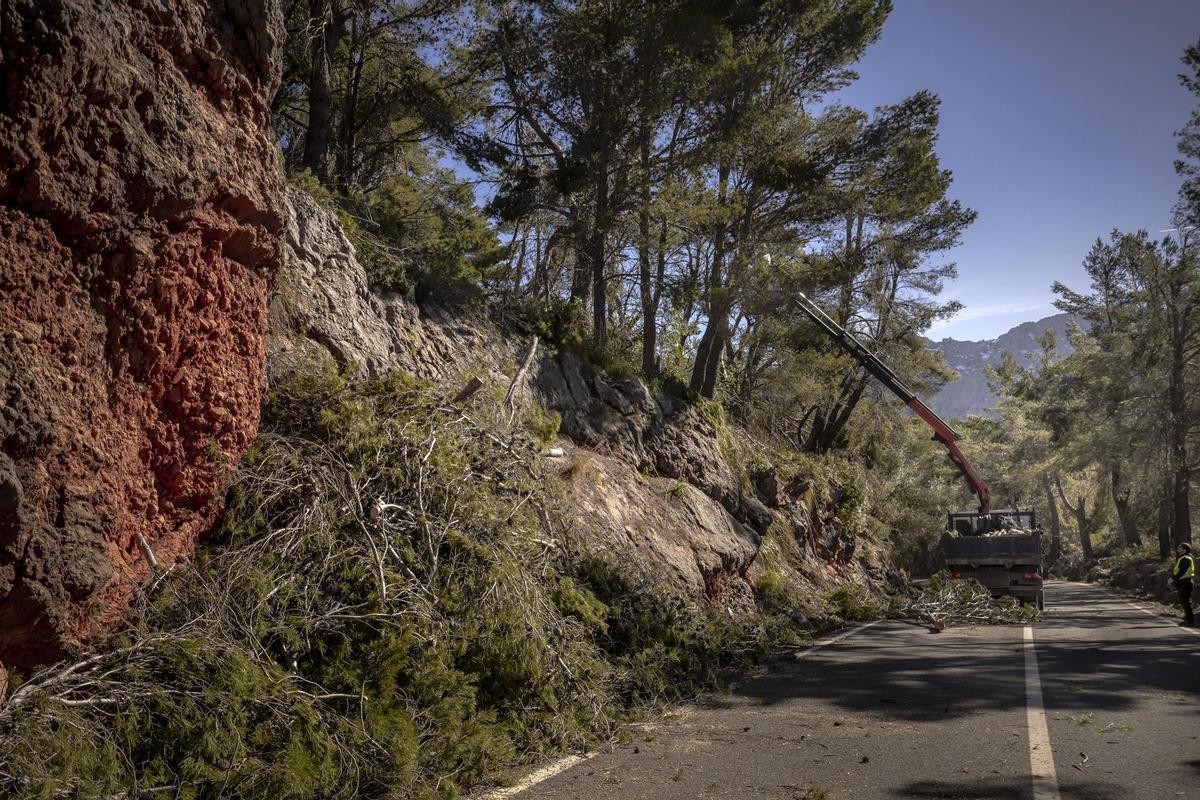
(712, 344)
(346, 148)
(1081, 520)
(328, 26)
(598, 243)
(1180, 475)
(646, 289)
(581, 272)
(712, 341)
(1085, 532)
(1055, 522)
(1181, 505)
(1125, 518)
(596, 247)
(1164, 517)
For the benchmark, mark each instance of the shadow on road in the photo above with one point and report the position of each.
(883, 675)
(977, 789)
(1115, 656)
(999, 789)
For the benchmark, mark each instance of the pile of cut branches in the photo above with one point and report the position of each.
(946, 601)
(379, 618)
(393, 607)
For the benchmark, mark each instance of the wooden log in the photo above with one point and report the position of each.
(473, 386)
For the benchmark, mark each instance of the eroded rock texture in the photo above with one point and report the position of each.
(140, 222)
(323, 306)
(645, 473)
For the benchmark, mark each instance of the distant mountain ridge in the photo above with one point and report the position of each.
(970, 395)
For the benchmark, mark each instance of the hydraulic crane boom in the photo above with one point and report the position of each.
(942, 432)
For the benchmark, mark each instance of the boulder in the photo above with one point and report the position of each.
(140, 222)
(686, 539)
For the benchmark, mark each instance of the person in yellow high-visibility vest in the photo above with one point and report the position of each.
(1184, 572)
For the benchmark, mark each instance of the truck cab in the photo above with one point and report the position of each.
(1001, 549)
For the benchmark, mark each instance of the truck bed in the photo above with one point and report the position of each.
(1018, 548)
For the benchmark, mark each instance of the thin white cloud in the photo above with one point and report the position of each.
(989, 311)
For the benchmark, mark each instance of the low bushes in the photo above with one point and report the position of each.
(393, 606)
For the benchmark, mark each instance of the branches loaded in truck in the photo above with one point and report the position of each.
(1002, 550)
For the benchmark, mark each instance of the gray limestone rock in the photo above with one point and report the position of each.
(645, 473)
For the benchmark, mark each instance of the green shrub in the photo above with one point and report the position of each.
(855, 602)
(711, 413)
(665, 647)
(543, 424)
(773, 588)
(380, 615)
(450, 251)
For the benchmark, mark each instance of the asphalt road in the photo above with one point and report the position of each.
(895, 711)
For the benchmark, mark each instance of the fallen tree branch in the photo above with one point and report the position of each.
(946, 602)
(144, 546)
(524, 368)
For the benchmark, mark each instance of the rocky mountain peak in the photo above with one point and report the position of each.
(970, 395)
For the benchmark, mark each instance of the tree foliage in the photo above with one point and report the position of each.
(665, 167)
(649, 183)
(1113, 426)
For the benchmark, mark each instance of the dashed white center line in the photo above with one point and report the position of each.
(1041, 756)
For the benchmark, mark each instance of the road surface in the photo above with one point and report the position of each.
(1098, 700)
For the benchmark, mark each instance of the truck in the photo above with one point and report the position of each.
(1000, 549)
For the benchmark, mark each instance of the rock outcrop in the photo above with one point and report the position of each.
(688, 540)
(645, 472)
(323, 304)
(140, 226)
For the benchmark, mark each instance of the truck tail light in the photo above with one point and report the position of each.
(955, 574)
(1032, 576)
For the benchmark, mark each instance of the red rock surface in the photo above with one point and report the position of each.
(140, 231)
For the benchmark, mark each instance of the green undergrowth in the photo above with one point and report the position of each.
(833, 479)
(395, 605)
(564, 327)
(449, 252)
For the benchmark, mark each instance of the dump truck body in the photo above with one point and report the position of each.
(1002, 550)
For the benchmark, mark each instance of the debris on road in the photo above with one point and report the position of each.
(956, 602)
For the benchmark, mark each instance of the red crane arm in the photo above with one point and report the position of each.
(949, 437)
(883, 373)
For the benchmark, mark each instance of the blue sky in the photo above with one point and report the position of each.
(1057, 121)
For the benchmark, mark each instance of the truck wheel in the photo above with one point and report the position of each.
(1041, 601)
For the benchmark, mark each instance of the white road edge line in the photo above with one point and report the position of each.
(1041, 756)
(1151, 612)
(537, 776)
(834, 639)
(565, 763)
(1156, 614)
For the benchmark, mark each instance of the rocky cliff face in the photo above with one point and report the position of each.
(140, 219)
(646, 474)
